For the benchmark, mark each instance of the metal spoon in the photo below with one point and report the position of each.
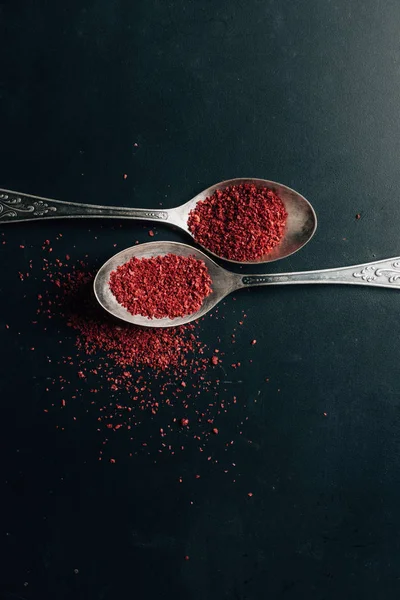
(383, 273)
(300, 225)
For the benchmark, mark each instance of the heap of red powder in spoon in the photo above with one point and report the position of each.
(162, 286)
(241, 222)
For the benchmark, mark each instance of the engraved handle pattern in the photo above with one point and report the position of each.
(22, 207)
(13, 206)
(388, 274)
(383, 273)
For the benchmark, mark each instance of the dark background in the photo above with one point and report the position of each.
(305, 93)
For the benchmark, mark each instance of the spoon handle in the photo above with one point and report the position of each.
(23, 207)
(381, 273)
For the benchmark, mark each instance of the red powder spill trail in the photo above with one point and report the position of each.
(241, 222)
(162, 286)
(147, 374)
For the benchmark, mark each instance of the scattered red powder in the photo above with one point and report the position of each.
(241, 222)
(143, 369)
(163, 286)
(146, 385)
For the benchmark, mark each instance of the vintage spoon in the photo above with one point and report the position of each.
(382, 273)
(300, 226)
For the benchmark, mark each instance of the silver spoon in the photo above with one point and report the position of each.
(382, 273)
(300, 225)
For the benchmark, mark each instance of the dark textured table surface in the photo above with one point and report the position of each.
(305, 93)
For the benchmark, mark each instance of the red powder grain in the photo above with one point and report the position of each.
(163, 286)
(242, 222)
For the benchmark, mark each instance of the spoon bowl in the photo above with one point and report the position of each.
(223, 282)
(300, 225)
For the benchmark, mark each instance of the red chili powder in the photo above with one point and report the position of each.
(241, 222)
(162, 286)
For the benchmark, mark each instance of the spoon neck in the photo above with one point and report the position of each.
(144, 214)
